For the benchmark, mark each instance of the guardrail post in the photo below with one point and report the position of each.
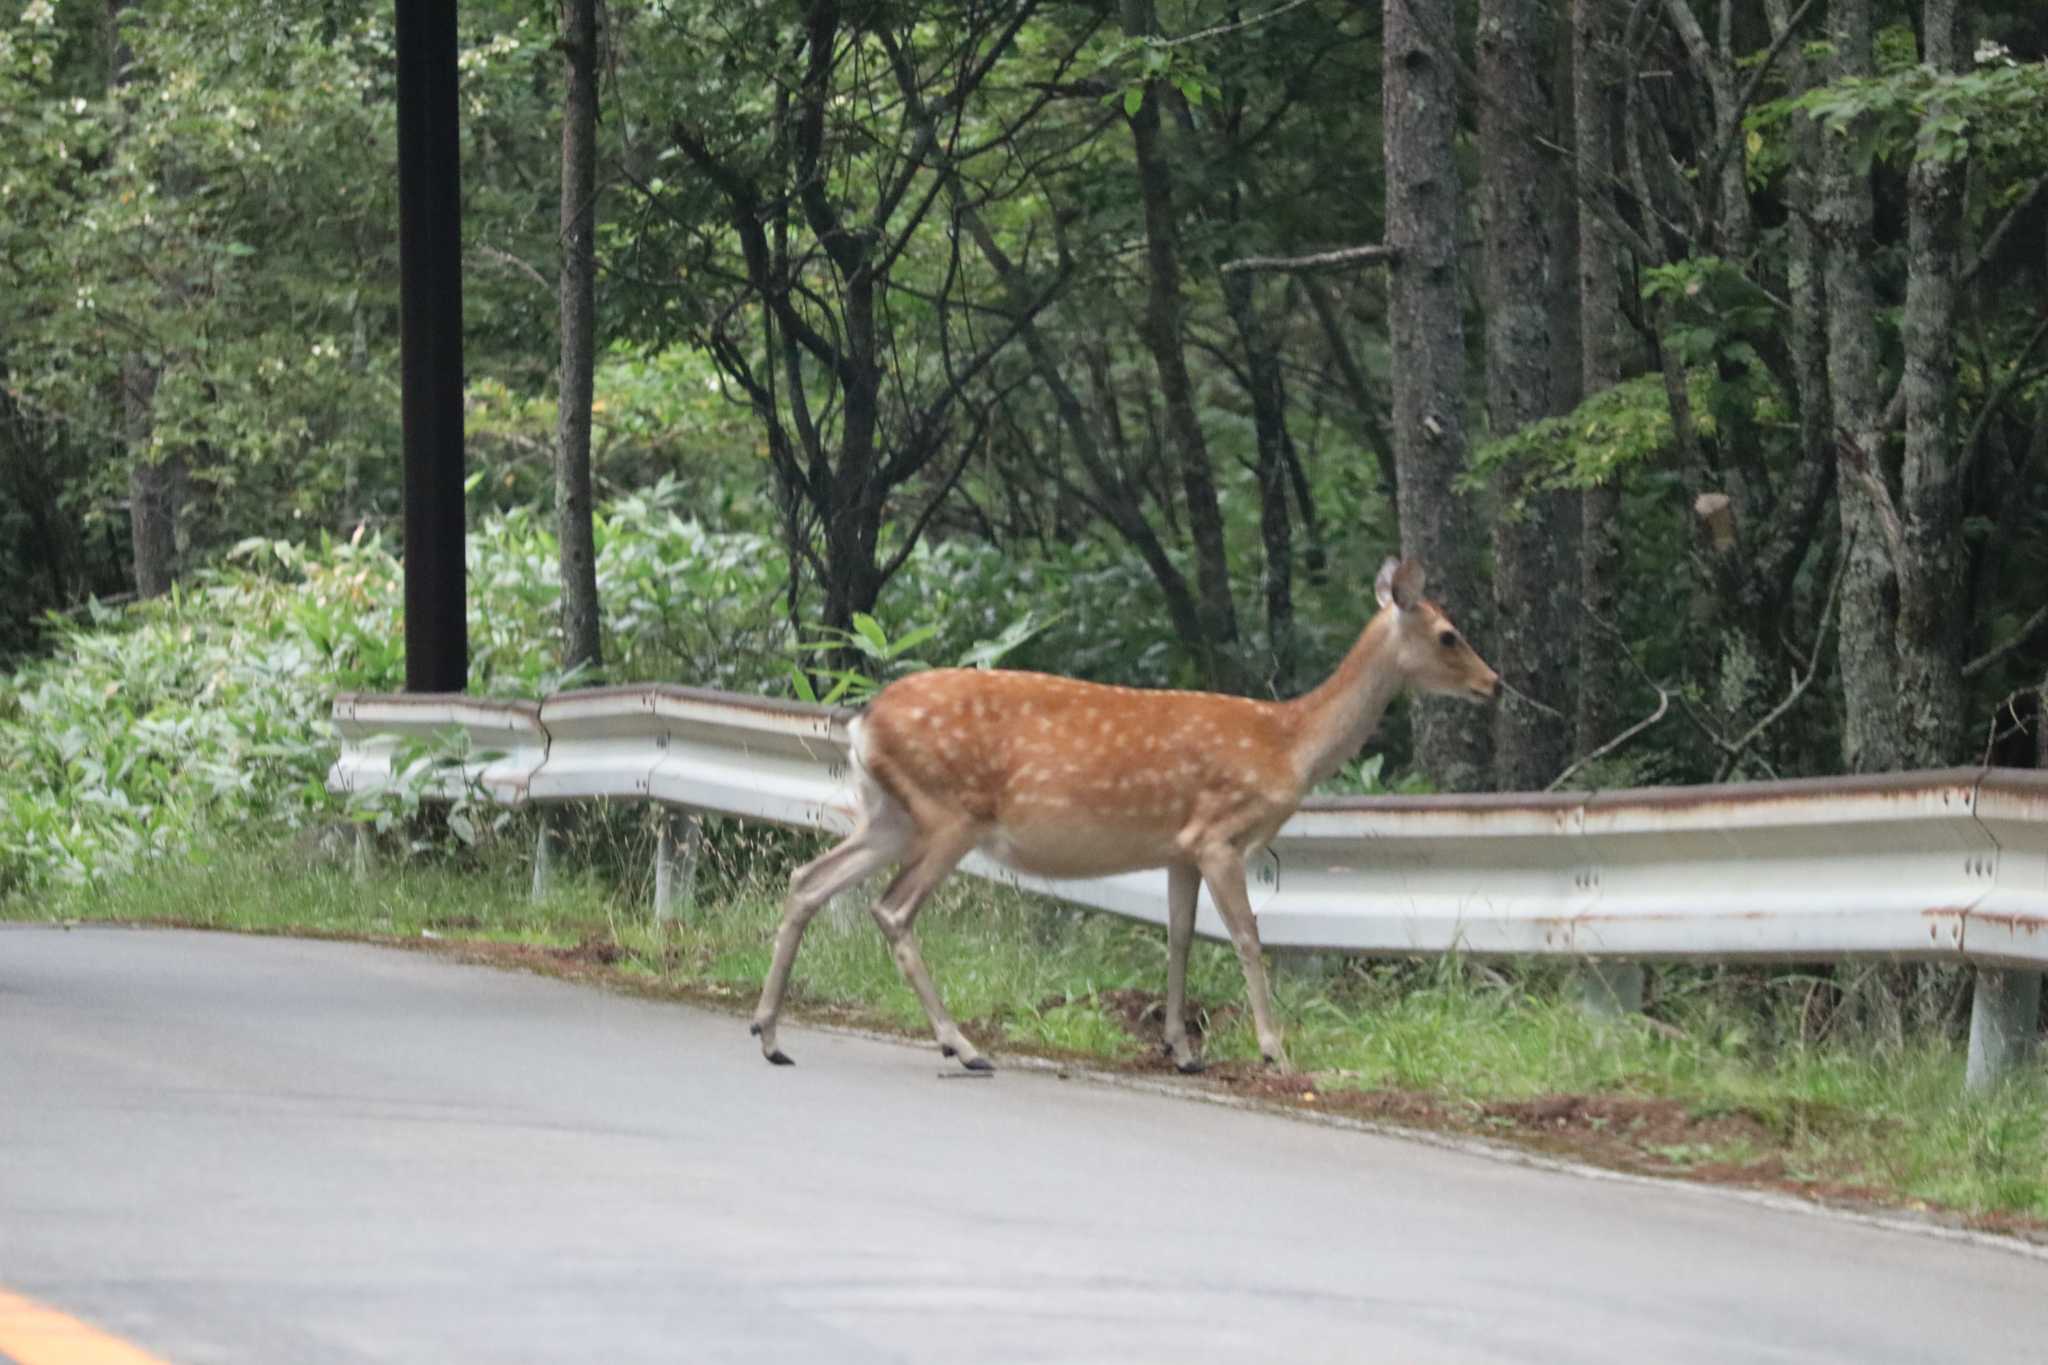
(2004, 1010)
(543, 855)
(361, 858)
(675, 863)
(1611, 989)
(1308, 967)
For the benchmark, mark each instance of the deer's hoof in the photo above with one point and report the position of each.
(781, 1058)
(1193, 1066)
(979, 1064)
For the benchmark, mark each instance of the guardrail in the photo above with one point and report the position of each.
(1949, 865)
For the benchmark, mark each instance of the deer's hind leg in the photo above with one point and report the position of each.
(1183, 886)
(895, 911)
(885, 832)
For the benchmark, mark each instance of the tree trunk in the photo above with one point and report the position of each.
(1803, 268)
(1531, 636)
(1162, 335)
(1426, 332)
(1844, 214)
(155, 487)
(51, 548)
(1932, 630)
(1594, 721)
(1566, 381)
(582, 646)
(1727, 199)
(1276, 526)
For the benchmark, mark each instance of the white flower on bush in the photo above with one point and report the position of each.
(1989, 52)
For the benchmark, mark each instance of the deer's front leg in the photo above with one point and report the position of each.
(1223, 870)
(1183, 884)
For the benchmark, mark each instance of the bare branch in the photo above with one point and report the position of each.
(1663, 705)
(1992, 734)
(1221, 29)
(1799, 684)
(2017, 640)
(1322, 260)
(2005, 226)
(1731, 136)
(514, 263)
(1973, 442)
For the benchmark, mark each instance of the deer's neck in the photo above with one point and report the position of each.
(1333, 722)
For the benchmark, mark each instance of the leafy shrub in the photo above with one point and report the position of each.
(209, 709)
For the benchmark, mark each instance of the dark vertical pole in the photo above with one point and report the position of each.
(430, 285)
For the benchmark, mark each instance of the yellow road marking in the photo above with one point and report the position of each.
(32, 1334)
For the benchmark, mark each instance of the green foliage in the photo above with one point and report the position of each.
(1367, 775)
(208, 710)
(1616, 431)
(1996, 112)
(204, 218)
(1140, 62)
(888, 657)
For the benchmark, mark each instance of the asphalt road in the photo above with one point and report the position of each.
(259, 1150)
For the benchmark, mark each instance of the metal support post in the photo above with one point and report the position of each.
(1611, 989)
(543, 855)
(2004, 1012)
(678, 842)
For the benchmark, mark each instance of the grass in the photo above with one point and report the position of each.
(1719, 1083)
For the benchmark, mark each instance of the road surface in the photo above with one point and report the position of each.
(227, 1149)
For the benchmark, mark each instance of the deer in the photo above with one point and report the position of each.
(1064, 779)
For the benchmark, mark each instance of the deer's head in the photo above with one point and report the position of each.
(1431, 653)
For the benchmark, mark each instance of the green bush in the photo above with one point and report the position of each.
(209, 709)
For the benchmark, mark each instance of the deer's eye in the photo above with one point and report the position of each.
(1449, 639)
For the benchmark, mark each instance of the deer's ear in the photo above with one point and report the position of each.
(1383, 586)
(1400, 584)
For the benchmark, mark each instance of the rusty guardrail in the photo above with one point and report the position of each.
(1948, 865)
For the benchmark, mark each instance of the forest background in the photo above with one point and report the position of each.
(1696, 348)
